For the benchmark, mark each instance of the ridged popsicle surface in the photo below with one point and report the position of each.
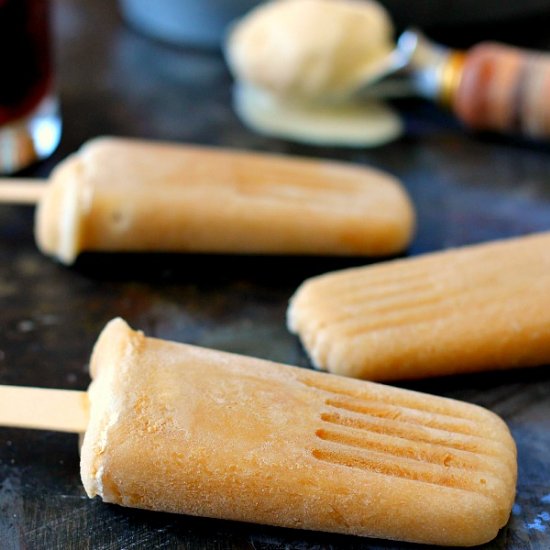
(463, 310)
(183, 429)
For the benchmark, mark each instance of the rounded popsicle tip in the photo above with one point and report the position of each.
(113, 349)
(399, 219)
(59, 213)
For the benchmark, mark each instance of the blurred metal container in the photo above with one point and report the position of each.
(203, 22)
(185, 22)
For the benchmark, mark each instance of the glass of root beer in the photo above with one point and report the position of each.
(30, 123)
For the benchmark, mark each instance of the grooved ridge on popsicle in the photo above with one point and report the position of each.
(431, 453)
(409, 401)
(475, 482)
(474, 444)
(411, 416)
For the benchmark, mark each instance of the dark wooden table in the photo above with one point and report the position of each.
(467, 189)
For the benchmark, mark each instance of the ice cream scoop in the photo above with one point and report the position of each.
(124, 195)
(313, 49)
(178, 428)
(295, 62)
(491, 86)
(329, 51)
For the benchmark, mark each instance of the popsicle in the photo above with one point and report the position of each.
(129, 195)
(464, 310)
(178, 428)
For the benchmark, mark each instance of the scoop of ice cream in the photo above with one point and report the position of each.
(349, 123)
(310, 48)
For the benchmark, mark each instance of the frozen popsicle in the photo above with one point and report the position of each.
(125, 195)
(177, 428)
(463, 310)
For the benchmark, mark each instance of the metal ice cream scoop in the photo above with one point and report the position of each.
(489, 87)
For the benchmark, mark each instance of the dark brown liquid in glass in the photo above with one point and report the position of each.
(25, 69)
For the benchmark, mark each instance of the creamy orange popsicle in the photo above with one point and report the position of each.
(125, 195)
(184, 429)
(463, 310)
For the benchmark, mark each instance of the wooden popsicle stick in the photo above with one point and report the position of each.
(21, 191)
(43, 409)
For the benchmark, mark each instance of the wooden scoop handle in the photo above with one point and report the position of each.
(502, 88)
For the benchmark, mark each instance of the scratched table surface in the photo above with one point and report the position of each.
(467, 188)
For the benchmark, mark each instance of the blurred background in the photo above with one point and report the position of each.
(203, 23)
(154, 70)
